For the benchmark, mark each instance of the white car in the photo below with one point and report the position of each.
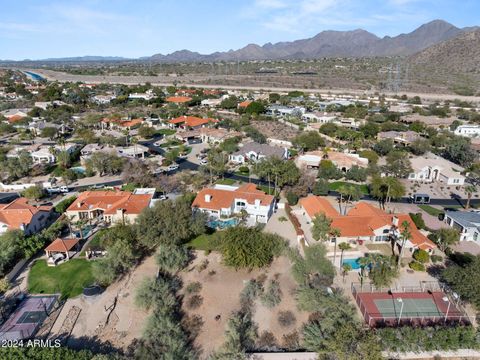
(55, 259)
(172, 167)
(158, 143)
(204, 162)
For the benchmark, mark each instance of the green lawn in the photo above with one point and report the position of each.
(335, 185)
(430, 210)
(204, 241)
(226, 182)
(69, 278)
(166, 132)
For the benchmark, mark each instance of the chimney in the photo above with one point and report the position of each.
(395, 221)
(257, 202)
(208, 198)
(79, 204)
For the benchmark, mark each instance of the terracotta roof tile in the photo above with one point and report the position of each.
(111, 201)
(222, 199)
(19, 212)
(62, 245)
(178, 99)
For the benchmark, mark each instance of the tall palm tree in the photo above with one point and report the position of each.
(364, 263)
(345, 269)
(405, 235)
(343, 246)
(335, 233)
(469, 190)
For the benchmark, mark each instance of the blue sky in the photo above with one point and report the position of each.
(38, 29)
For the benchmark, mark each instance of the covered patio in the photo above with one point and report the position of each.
(67, 247)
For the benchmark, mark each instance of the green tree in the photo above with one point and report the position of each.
(49, 132)
(308, 141)
(469, 190)
(459, 151)
(370, 130)
(464, 280)
(278, 171)
(243, 247)
(343, 247)
(327, 170)
(34, 192)
(321, 228)
(172, 258)
(255, 107)
(444, 238)
(383, 147)
(321, 187)
(386, 188)
(398, 164)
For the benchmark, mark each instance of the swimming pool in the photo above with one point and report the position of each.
(353, 263)
(79, 169)
(222, 224)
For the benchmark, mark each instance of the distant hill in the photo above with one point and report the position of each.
(355, 43)
(461, 53)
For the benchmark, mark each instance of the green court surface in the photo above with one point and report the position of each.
(411, 307)
(32, 317)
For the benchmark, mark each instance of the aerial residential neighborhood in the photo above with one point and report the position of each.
(314, 194)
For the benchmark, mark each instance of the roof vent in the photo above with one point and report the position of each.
(208, 198)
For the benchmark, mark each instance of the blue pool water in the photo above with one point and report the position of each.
(85, 230)
(352, 262)
(79, 169)
(34, 76)
(222, 224)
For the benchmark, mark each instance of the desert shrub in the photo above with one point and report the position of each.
(194, 302)
(286, 318)
(292, 198)
(267, 341)
(436, 258)
(414, 265)
(421, 256)
(193, 288)
(244, 169)
(291, 341)
(272, 295)
(250, 292)
(417, 220)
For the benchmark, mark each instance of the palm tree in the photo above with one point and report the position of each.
(364, 263)
(404, 235)
(469, 190)
(335, 233)
(343, 246)
(345, 269)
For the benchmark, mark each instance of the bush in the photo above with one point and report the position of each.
(193, 288)
(421, 256)
(244, 169)
(417, 220)
(243, 247)
(416, 266)
(321, 187)
(194, 301)
(63, 205)
(250, 292)
(272, 295)
(286, 318)
(292, 198)
(436, 258)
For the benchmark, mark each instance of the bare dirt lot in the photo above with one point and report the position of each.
(115, 328)
(275, 129)
(221, 287)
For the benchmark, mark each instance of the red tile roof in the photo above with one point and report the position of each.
(178, 99)
(111, 201)
(362, 220)
(192, 121)
(15, 118)
(19, 212)
(62, 245)
(245, 103)
(222, 199)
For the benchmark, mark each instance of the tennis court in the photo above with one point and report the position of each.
(395, 307)
(24, 322)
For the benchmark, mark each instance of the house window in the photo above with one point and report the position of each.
(240, 204)
(386, 231)
(475, 236)
(381, 238)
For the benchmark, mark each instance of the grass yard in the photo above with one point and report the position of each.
(204, 242)
(431, 210)
(226, 182)
(69, 278)
(335, 185)
(166, 132)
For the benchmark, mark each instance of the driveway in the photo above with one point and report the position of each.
(283, 228)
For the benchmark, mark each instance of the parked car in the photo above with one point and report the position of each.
(56, 259)
(204, 162)
(172, 167)
(58, 190)
(420, 198)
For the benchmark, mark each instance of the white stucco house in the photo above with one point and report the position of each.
(466, 222)
(431, 168)
(468, 131)
(225, 201)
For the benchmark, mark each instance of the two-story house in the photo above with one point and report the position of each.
(255, 152)
(19, 214)
(466, 222)
(226, 201)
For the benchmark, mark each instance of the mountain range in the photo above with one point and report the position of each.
(355, 43)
